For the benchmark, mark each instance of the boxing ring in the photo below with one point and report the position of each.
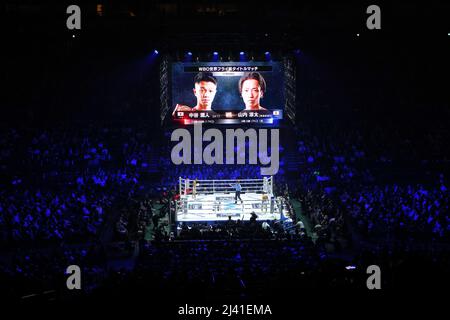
(214, 200)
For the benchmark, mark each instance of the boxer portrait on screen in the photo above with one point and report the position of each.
(252, 88)
(205, 88)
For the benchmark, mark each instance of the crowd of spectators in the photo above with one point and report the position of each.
(406, 212)
(387, 183)
(63, 185)
(40, 273)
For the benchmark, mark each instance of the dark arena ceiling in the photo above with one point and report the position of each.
(198, 25)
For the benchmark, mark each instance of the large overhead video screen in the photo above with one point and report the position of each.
(227, 92)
